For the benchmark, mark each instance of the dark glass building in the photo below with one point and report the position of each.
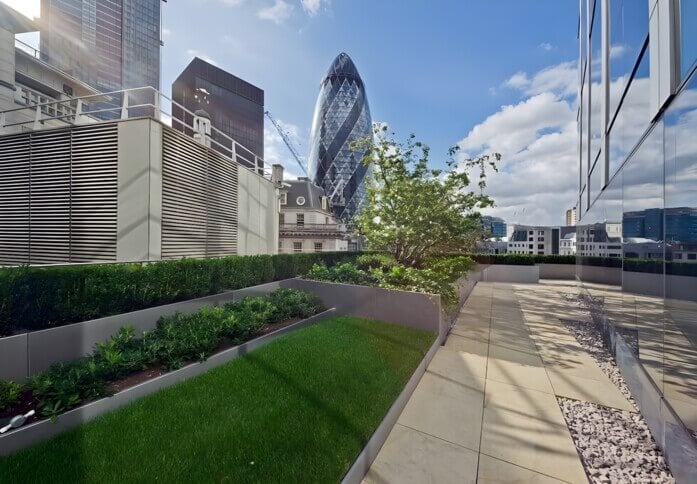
(234, 106)
(341, 116)
(109, 44)
(495, 225)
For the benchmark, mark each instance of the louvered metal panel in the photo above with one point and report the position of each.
(49, 211)
(58, 195)
(199, 200)
(14, 200)
(94, 174)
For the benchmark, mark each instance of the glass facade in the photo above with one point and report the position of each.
(341, 117)
(109, 44)
(235, 107)
(642, 278)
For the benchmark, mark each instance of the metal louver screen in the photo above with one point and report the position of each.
(199, 200)
(58, 199)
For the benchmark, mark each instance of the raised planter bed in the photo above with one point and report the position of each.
(41, 430)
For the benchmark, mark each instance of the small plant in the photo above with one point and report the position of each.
(9, 393)
(368, 262)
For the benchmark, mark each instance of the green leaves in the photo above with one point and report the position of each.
(9, 393)
(413, 211)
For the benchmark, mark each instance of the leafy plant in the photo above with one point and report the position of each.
(9, 393)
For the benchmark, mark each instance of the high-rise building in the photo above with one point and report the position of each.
(234, 106)
(637, 160)
(342, 116)
(109, 44)
(571, 216)
(494, 225)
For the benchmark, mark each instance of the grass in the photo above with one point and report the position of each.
(297, 410)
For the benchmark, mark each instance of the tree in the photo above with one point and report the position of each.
(413, 211)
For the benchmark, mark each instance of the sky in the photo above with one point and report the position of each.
(497, 75)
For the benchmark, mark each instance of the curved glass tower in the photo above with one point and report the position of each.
(341, 116)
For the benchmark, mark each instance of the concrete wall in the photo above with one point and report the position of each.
(506, 273)
(600, 275)
(257, 209)
(557, 271)
(140, 191)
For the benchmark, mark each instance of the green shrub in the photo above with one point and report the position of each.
(43, 297)
(9, 393)
(177, 339)
(344, 273)
(368, 262)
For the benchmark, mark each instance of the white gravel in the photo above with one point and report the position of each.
(590, 338)
(616, 446)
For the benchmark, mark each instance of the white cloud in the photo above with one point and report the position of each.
(231, 3)
(201, 55)
(278, 13)
(166, 32)
(617, 51)
(560, 79)
(546, 46)
(312, 7)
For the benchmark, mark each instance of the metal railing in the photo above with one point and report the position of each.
(40, 113)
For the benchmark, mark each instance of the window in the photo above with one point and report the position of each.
(318, 246)
(282, 218)
(297, 246)
(300, 219)
(530, 233)
(324, 203)
(541, 252)
(688, 52)
(540, 246)
(284, 198)
(691, 256)
(300, 201)
(531, 245)
(326, 220)
(540, 239)
(529, 239)
(540, 232)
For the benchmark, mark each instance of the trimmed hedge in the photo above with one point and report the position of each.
(33, 298)
(523, 259)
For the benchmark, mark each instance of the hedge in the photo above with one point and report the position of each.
(523, 259)
(33, 298)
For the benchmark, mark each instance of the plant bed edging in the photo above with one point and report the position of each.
(42, 430)
(367, 456)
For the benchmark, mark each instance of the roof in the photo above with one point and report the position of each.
(303, 187)
(15, 22)
(343, 66)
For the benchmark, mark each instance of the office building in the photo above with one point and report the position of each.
(534, 240)
(342, 116)
(494, 226)
(571, 216)
(235, 108)
(109, 44)
(637, 158)
(26, 80)
(306, 222)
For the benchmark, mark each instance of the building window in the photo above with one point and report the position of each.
(540, 239)
(300, 201)
(297, 246)
(540, 246)
(530, 247)
(691, 256)
(326, 220)
(678, 256)
(284, 198)
(282, 218)
(324, 203)
(300, 219)
(318, 246)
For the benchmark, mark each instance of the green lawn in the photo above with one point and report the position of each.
(297, 410)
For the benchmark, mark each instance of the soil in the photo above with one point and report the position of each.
(27, 402)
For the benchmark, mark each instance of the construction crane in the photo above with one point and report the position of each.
(286, 140)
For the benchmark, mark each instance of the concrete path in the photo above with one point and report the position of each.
(486, 408)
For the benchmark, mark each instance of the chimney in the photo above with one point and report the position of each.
(277, 174)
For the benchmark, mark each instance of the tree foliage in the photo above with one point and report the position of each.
(414, 211)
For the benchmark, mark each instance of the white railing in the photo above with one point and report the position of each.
(43, 113)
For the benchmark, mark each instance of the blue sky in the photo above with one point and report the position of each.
(494, 75)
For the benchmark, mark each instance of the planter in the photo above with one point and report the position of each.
(27, 354)
(415, 309)
(45, 429)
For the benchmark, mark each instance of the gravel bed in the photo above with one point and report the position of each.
(590, 338)
(615, 446)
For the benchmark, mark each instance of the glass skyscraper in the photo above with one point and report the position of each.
(341, 117)
(637, 116)
(109, 44)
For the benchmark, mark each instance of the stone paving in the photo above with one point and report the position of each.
(486, 408)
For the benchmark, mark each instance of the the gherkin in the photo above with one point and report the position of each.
(341, 116)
